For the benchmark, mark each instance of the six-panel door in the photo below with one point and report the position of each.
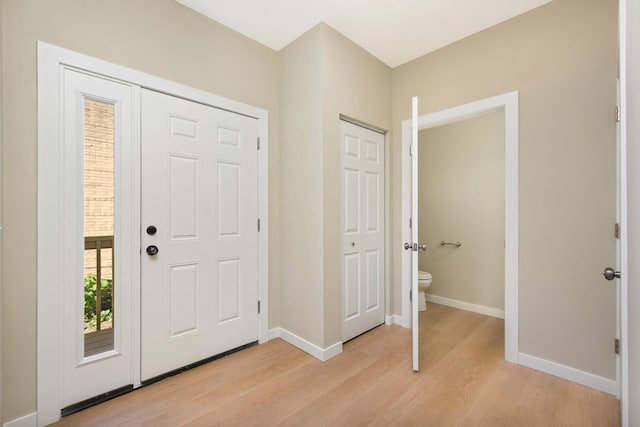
(362, 229)
(199, 268)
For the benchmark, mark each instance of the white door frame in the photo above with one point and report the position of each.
(508, 102)
(623, 320)
(51, 61)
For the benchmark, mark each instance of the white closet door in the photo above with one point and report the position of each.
(199, 232)
(362, 229)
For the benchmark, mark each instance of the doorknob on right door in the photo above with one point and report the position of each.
(610, 274)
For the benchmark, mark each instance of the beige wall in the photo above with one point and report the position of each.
(159, 37)
(561, 57)
(357, 85)
(633, 180)
(461, 198)
(322, 75)
(301, 97)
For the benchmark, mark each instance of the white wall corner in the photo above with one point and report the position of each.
(30, 420)
(395, 319)
(570, 374)
(322, 354)
(274, 333)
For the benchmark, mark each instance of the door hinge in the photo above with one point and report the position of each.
(616, 231)
(258, 306)
(616, 346)
(258, 143)
(258, 224)
(617, 114)
(410, 222)
(410, 294)
(410, 150)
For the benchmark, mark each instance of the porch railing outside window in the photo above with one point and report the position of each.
(101, 248)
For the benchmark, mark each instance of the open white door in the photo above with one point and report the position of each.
(414, 233)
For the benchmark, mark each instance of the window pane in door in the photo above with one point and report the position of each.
(99, 286)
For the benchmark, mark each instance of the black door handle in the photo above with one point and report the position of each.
(152, 250)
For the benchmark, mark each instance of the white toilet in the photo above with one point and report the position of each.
(424, 281)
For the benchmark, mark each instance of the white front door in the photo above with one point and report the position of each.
(362, 229)
(97, 120)
(199, 225)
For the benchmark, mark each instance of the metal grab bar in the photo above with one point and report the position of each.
(456, 244)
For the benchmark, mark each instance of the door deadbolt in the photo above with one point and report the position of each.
(610, 274)
(151, 230)
(152, 250)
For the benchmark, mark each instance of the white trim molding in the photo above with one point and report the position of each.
(322, 354)
(509, 103)
(626, 33)
(30, 420)
(463, 305)
(52, 60)
(570, 374)
(395, 319)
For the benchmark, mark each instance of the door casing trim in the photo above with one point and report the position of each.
(509, 103)
(51, 61)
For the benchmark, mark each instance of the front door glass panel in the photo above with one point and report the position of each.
(99, 200)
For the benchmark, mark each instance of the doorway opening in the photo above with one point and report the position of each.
(509, 104)
(461, 221)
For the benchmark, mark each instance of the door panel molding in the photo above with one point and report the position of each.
(52, 60)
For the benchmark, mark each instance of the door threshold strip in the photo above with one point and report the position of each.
(96, 400)
(196, 364)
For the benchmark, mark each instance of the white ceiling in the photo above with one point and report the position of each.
(395, 31)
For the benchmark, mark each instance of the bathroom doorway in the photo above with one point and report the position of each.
(461, 221)
(507, 108)
(461, 213)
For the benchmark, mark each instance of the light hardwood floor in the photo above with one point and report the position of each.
(463, 381)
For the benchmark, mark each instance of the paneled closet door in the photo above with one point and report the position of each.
(362, 229)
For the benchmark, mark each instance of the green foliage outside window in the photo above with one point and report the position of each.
(90, 293)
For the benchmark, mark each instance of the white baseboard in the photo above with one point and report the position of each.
(394, 319)
(274, 333)
(462, 305)
(322, 354)
(567, 373)
(30, 420)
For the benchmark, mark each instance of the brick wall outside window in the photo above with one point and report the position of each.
(98, 180)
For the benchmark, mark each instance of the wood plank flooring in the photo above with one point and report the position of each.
(463, 381)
